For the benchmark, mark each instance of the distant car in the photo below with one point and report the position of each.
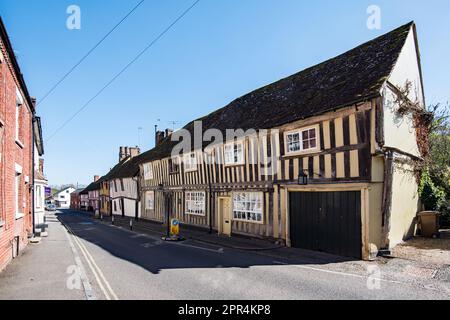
(50, 207)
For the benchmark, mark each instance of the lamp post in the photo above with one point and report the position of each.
(167, 196)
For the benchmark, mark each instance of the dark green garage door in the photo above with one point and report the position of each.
(326, 221)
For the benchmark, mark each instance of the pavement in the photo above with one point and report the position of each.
(84, 258)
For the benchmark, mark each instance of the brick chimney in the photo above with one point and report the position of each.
(160, 135)
(133, 152)
(96, 178)
(169, 132)
(122, 154)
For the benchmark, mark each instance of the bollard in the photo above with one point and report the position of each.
(112, 219)
(101, 216)
(131, 224)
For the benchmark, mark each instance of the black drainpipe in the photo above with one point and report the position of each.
(211, 207)
(33, 164)
(387, 197)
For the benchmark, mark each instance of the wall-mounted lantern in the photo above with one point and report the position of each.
(303, 179)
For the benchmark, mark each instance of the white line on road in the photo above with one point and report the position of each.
(220, 250)
(337, 272)
(83, 277)
(98, 274)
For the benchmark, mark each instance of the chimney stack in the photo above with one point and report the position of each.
(96, 178)
(160, 135)
(125, 152)
(169, 132)
(134, 151)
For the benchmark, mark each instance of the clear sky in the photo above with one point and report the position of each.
(221, 50)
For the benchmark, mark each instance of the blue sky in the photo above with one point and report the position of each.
(221, 50)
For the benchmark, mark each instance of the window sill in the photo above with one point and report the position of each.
(20, 144)
(248, 221)
(301, 153)
(19, 216)
(228, 165)
(196, 214)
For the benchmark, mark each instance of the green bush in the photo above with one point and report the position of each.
(445, 216)
(433, 197)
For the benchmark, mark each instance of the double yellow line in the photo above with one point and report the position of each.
(96, 271)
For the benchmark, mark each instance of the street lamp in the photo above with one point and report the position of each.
(167, 196)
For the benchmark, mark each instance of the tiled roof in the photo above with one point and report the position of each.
(349, 78)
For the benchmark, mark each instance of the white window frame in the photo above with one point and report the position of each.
(242, 209)
(39, 197)
(173, 160)
(190, 163)
(235, 162)
(300, 134)
(192, 202)
(18, 201)
(19, 105)
(150, 200)
(148, 171)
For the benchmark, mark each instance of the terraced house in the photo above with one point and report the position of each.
(326, 168)
(17, 111)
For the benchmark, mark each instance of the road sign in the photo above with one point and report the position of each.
(174, 227)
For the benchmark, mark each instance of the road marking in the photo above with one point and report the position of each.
(83, 277)
(98, 274)
(220, 250)
(338, 273)
(98, 268)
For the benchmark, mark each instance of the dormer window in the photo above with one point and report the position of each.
(305, 140)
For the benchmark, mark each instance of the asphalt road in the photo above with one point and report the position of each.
(107, 262)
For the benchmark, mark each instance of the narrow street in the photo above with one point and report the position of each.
(98, 261)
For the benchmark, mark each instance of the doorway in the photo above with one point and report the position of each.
(225, 215)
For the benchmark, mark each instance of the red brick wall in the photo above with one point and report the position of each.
(12, 154)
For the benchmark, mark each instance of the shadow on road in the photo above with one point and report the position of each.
(154, 255)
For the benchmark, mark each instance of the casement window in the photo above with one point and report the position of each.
(150, 200)
(115, 205)
(122, 185)
(17, 195)
(174, 165)
(303, 140)
(38, 197)
(148, 171)
(190, 162)
(115, 185)
(248, 206)
(195, 203)
(234, 153)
